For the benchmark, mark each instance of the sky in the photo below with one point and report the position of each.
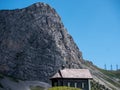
(93, 24)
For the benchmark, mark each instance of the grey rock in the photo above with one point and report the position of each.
(34, 43)
(10, 84)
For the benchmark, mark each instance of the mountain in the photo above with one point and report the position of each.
(34, 45)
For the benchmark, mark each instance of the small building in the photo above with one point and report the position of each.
(78, 78)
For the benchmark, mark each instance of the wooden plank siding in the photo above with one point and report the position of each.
(77, 83)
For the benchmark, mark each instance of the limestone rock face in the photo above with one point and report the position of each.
(34, 43)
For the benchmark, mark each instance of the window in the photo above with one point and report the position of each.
(55, 83)
(68, 84)
(83, 85)
(75, 85)
(61, 83)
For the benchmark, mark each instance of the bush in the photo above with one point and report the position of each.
(1, 85)
(1, 76)
(63, 88)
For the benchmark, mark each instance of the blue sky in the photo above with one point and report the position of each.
(93, 24)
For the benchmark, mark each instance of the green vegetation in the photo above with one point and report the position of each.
(13, 79)
(111, 73)
(96, 86)
(63, 88)
(1, 76)
(55, 88)
(111, 76)
(10, 77)
(1, 85)
(37, 88)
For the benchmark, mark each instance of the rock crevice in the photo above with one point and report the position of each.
(34, 43)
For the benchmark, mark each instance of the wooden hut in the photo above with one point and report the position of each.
(78, 78)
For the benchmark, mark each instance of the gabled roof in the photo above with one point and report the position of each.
(73, 73)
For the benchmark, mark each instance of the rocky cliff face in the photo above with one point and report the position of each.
(34, 43)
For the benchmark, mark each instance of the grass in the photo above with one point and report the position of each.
(115, 74)
(37, 88)
(63, 88)
(112, 75)
(55, 88)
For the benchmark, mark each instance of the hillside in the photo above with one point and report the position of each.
(104, 78)
(11, 83)
(34, 45)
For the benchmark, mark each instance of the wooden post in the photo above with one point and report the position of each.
(89, 84)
